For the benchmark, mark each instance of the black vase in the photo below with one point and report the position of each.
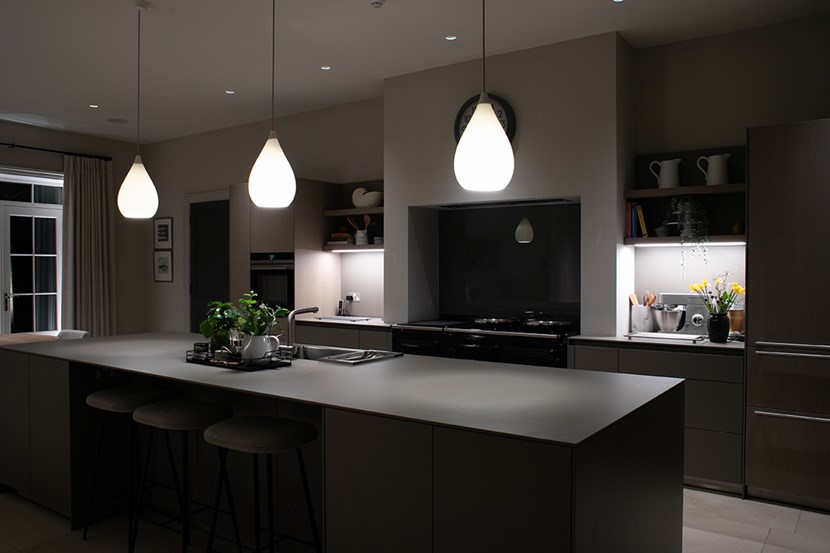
(718, 327)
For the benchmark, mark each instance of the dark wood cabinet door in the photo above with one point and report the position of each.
(788, 195)
(378, 484)
(787, 456)
(788, 380)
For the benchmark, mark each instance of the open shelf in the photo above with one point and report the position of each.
(685, 191)
(353, 211)
(354, 247)
(675, 240)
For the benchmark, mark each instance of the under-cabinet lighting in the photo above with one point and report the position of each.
(678, 244)
(358, 251)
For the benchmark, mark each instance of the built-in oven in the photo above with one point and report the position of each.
(272, 278)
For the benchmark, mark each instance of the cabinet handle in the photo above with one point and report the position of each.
(788, 416)
(787, 345)
(788, 354)
(6, 299)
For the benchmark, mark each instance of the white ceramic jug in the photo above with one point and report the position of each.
(669, 175)
(717, 170)
(257, 347)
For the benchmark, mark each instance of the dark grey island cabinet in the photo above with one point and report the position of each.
(417, 454)
(714, 411)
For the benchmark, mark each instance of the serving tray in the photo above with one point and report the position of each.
(235, 361)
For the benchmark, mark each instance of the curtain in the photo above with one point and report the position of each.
(88, 246)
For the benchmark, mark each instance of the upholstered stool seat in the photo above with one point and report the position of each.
(119, 401)
(182, 415)
(125, 400)
(260, 435)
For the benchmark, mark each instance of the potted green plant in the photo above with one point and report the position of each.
(259, 323)
(689, 216)
(222, 319)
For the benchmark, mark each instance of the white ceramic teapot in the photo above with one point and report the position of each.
(257, 347)
(717, 168)
(669, 175)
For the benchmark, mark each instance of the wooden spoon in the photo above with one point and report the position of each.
(367, 221)
(352, 222)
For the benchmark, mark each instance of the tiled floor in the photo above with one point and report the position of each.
(713, 523)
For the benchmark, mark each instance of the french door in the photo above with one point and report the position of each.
(31, 239)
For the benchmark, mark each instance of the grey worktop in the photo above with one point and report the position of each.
(371, 323)
(540, 403)
(735, 348)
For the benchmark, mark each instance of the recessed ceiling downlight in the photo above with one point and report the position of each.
(230, 92)
(93, 106)
(450, 38)
(325, 67)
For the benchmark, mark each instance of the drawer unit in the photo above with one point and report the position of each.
(595, 358)
(713, 455)
(788, 380)
(697, 366)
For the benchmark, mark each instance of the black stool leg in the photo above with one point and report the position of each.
(269, 459)
(310, 506)
(141, 489)
(232, 509)
(223, 457)
(95, 472)
(256, 502)
(175, 475)
(185, 499)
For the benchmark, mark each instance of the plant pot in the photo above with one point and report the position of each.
(718, 327)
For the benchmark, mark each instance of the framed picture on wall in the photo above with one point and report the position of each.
(163, 233)
(163, 266)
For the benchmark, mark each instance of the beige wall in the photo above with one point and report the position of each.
(340, 144)
(705, 93)
(566, 145)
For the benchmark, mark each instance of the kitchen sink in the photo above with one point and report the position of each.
(348, 356)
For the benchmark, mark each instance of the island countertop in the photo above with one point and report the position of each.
(559, 406)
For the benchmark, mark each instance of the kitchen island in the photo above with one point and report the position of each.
(434, 454)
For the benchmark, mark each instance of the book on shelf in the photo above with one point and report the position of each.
(642, 220)
(341, 235)
(339, 242)
(628, 219)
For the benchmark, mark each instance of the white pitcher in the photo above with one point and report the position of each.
(669, 175)
(717, 170)
(257, 347)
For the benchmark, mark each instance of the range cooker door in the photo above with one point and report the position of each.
(472, 346)
(418, 342)
(543, 355)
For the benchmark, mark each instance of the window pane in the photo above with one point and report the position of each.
(46, 274)
(20, 231)
(47, 312)
(21, 275)
(48, 195)
(15, 192)
(44, 235)
(22, 319)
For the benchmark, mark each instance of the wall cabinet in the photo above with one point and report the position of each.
(714, 402)
(723, 204)
(272, 230)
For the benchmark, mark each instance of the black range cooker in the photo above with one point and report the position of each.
(531, 340)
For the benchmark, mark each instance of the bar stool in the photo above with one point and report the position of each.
(119, 401)
(180, 415)
(260, 435)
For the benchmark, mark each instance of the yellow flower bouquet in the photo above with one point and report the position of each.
(718, 297)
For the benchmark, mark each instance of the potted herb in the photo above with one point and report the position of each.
(259, 322)
(221, 320)
(689, 216)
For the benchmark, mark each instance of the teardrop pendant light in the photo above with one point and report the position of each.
(524, 232)
(271, 182)
(137, 197)
(484, 157)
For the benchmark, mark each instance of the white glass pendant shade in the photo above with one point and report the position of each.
(271, 182)
(484, 156)
(524, 232)
(137, 197)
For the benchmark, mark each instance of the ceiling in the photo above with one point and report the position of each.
(59, 56)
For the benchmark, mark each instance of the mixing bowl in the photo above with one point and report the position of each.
(669, 318)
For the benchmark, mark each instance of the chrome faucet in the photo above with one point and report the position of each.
(291, 315)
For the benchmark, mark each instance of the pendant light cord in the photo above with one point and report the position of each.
(138, 91)
(483, 34)
(273, 61)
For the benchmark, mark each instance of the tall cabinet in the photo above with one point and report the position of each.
(788, 343)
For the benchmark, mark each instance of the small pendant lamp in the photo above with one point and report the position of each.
(137, 197)
(484, 157)
(271, 182)
(524, 232)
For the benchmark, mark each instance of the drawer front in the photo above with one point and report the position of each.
(788, 455)
(714, 406)
(788, 382)
(593, 358)
(375, 339)
(697, 366)
(713, 455)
